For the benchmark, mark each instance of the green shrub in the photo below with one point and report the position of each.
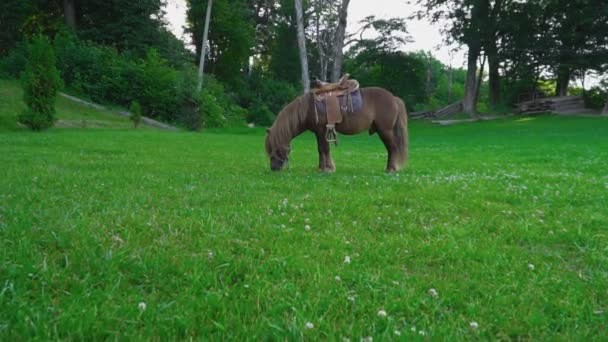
(163, 91)
(135, 110)
(158, 83)
(40, 83)
(260, 114)
(189, 98)
(273, 93)
(595, 98)
(219, 108)
(211, 110)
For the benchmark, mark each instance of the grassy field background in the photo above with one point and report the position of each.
(496, 230)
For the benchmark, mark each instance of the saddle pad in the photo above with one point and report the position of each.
(357, 102)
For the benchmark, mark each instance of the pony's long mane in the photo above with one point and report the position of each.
(288, 123)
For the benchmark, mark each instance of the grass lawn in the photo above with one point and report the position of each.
(116, 233)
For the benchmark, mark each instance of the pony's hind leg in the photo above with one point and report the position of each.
(390, 142)
(326, 164)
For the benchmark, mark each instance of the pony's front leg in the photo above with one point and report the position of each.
(326, 164)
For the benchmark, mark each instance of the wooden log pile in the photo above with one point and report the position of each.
(452, 109)
(556, 105)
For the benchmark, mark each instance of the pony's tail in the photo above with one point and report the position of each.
(401, 134)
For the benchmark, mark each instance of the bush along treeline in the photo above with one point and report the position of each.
(163, 91)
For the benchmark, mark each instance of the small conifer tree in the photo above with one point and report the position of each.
(40, 82)
(135, 110)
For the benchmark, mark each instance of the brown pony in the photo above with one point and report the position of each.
(381, 112)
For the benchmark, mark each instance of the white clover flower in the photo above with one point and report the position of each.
(531, 267)
(433, 293)
(142, 306)
(307, 220)
(338, 279)
(474, 325)
(422, 333)
(307, 228)
(397, 332)
(382, 313)
(367, 339)
(347, 259)
(309, 325)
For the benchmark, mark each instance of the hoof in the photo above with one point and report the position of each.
(327, 169)
(392, 170)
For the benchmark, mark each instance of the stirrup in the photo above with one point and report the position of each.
(332, 136)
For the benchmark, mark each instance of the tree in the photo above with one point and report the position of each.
(404, 74)
(69, 13)
(135, 110)
(40, 83)
(391, 34)
(324, 26)
(339, 41)
(201, 66)
(19, 18)
(465, 23)
(577, 29)
(230, 38)
(302, 45)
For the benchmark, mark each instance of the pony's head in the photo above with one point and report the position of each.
(277, 153)
(290, 122)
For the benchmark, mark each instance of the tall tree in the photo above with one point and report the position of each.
(339, 41)
(230, 38)
(302, 45)
(492, 37)
(69, 12)
(578, 32)
(324, 16)
(201, 65)
(465, 21)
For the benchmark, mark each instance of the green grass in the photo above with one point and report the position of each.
(93, 222)
(69, 114)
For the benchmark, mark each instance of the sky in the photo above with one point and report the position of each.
(426, 36)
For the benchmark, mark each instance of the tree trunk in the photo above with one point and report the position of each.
(494, 79)
(605, 110)
(69, 13)
(322, 55)
(429, 75)
(450, 81)
(563, 79)
(480, 78)
(201, 65)
(469, 104)
(339, 42)
(302, 46)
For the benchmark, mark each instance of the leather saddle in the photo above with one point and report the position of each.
(334, 100)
